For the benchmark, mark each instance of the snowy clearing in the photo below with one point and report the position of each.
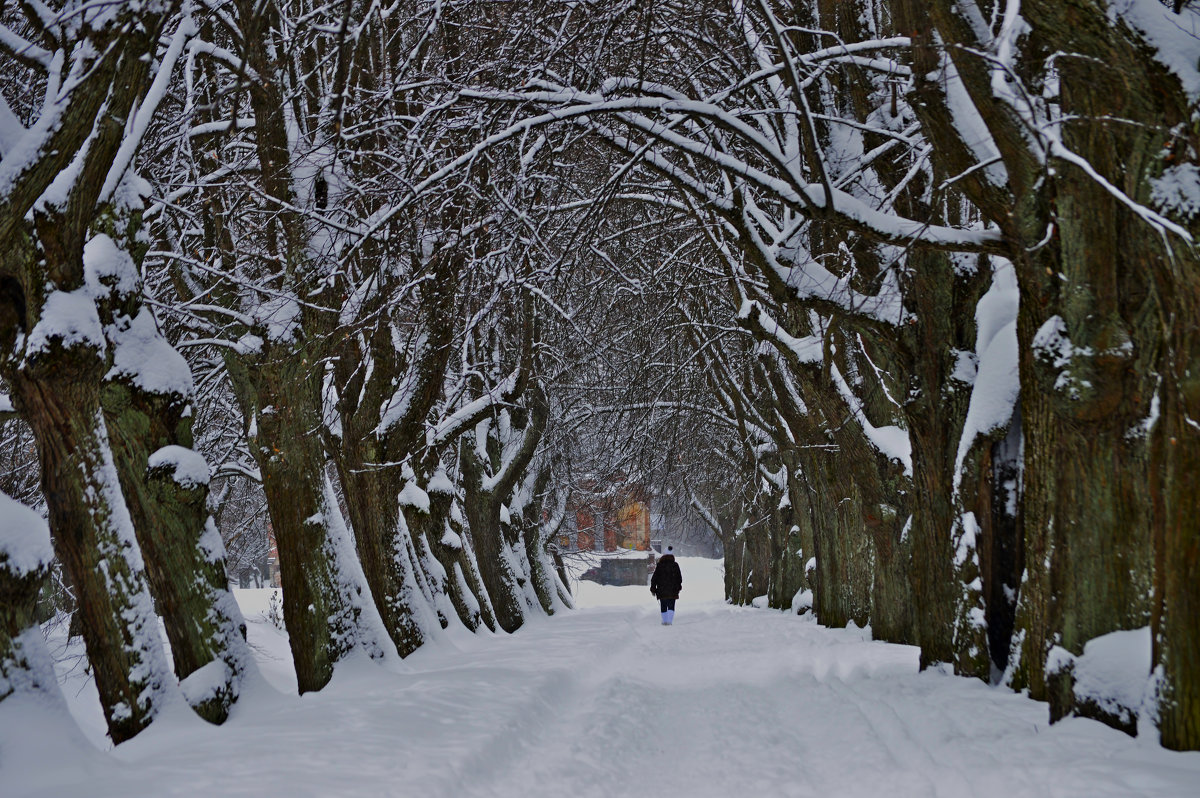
(603, 701)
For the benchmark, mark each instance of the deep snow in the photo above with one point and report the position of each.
(602, 701)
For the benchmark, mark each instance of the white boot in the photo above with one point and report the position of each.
(669, 615)
(665, 622)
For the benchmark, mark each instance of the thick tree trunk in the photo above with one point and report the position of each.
(1176, 470)
(486, 478)
(801, 516)
(747, 556)
(495, 566)
(892, 608)
(52, 352)
(372, 500)
(756, 558)
(54, 364)
(167, 488)
(991, 489)
(541, 575)
(497, 570)
(845, 555)
(321, 604)
(531, 536)
(1098, 297)
(446, 540)
(735, 549)
(148, 411)
(944, 566)
(56, 391)
(786, 561)
(1089, 332)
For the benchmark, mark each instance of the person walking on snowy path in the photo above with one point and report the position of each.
(666, 584)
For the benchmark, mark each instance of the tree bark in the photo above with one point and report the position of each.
(57, 392)
(24, 666)
(447, 543)
(150, 416)
(486, 480)
(382, 541)
(322, 607)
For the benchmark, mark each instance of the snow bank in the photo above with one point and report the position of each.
(604, 702)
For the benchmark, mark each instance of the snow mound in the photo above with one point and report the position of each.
(1111, 679)
(1114, 672)
(24, 538)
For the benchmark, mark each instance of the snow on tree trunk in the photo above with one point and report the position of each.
(483, 508)
(531, 536)
(322, 602)
(146, 398)
(444, 537)
(56, 390)
(382, 541)
(383, 389)
(58, 172)
(55, 375)
(494, 458)
(25, 558)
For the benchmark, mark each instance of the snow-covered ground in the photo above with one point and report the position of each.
(603, 702)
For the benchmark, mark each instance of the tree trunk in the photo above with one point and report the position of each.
(486, 478)
(844, 551)
(165, 483)
(541, 576)
(991, 488)
(735, 549)
(321, 604)
(1088, 326)
(24, 665)
(1176, 482)
(786, 561)
(495, 566)
(183, 551)
(372, 501)
(446, 542)
(56, 391)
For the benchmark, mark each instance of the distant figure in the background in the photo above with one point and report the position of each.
(666, 584)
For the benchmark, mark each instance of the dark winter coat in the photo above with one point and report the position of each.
(667, 580)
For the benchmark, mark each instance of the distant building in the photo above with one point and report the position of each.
(608, 517)
(272, 559)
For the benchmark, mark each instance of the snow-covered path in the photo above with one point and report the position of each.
(606, 702)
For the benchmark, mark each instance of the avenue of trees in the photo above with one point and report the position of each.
(899, 296)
